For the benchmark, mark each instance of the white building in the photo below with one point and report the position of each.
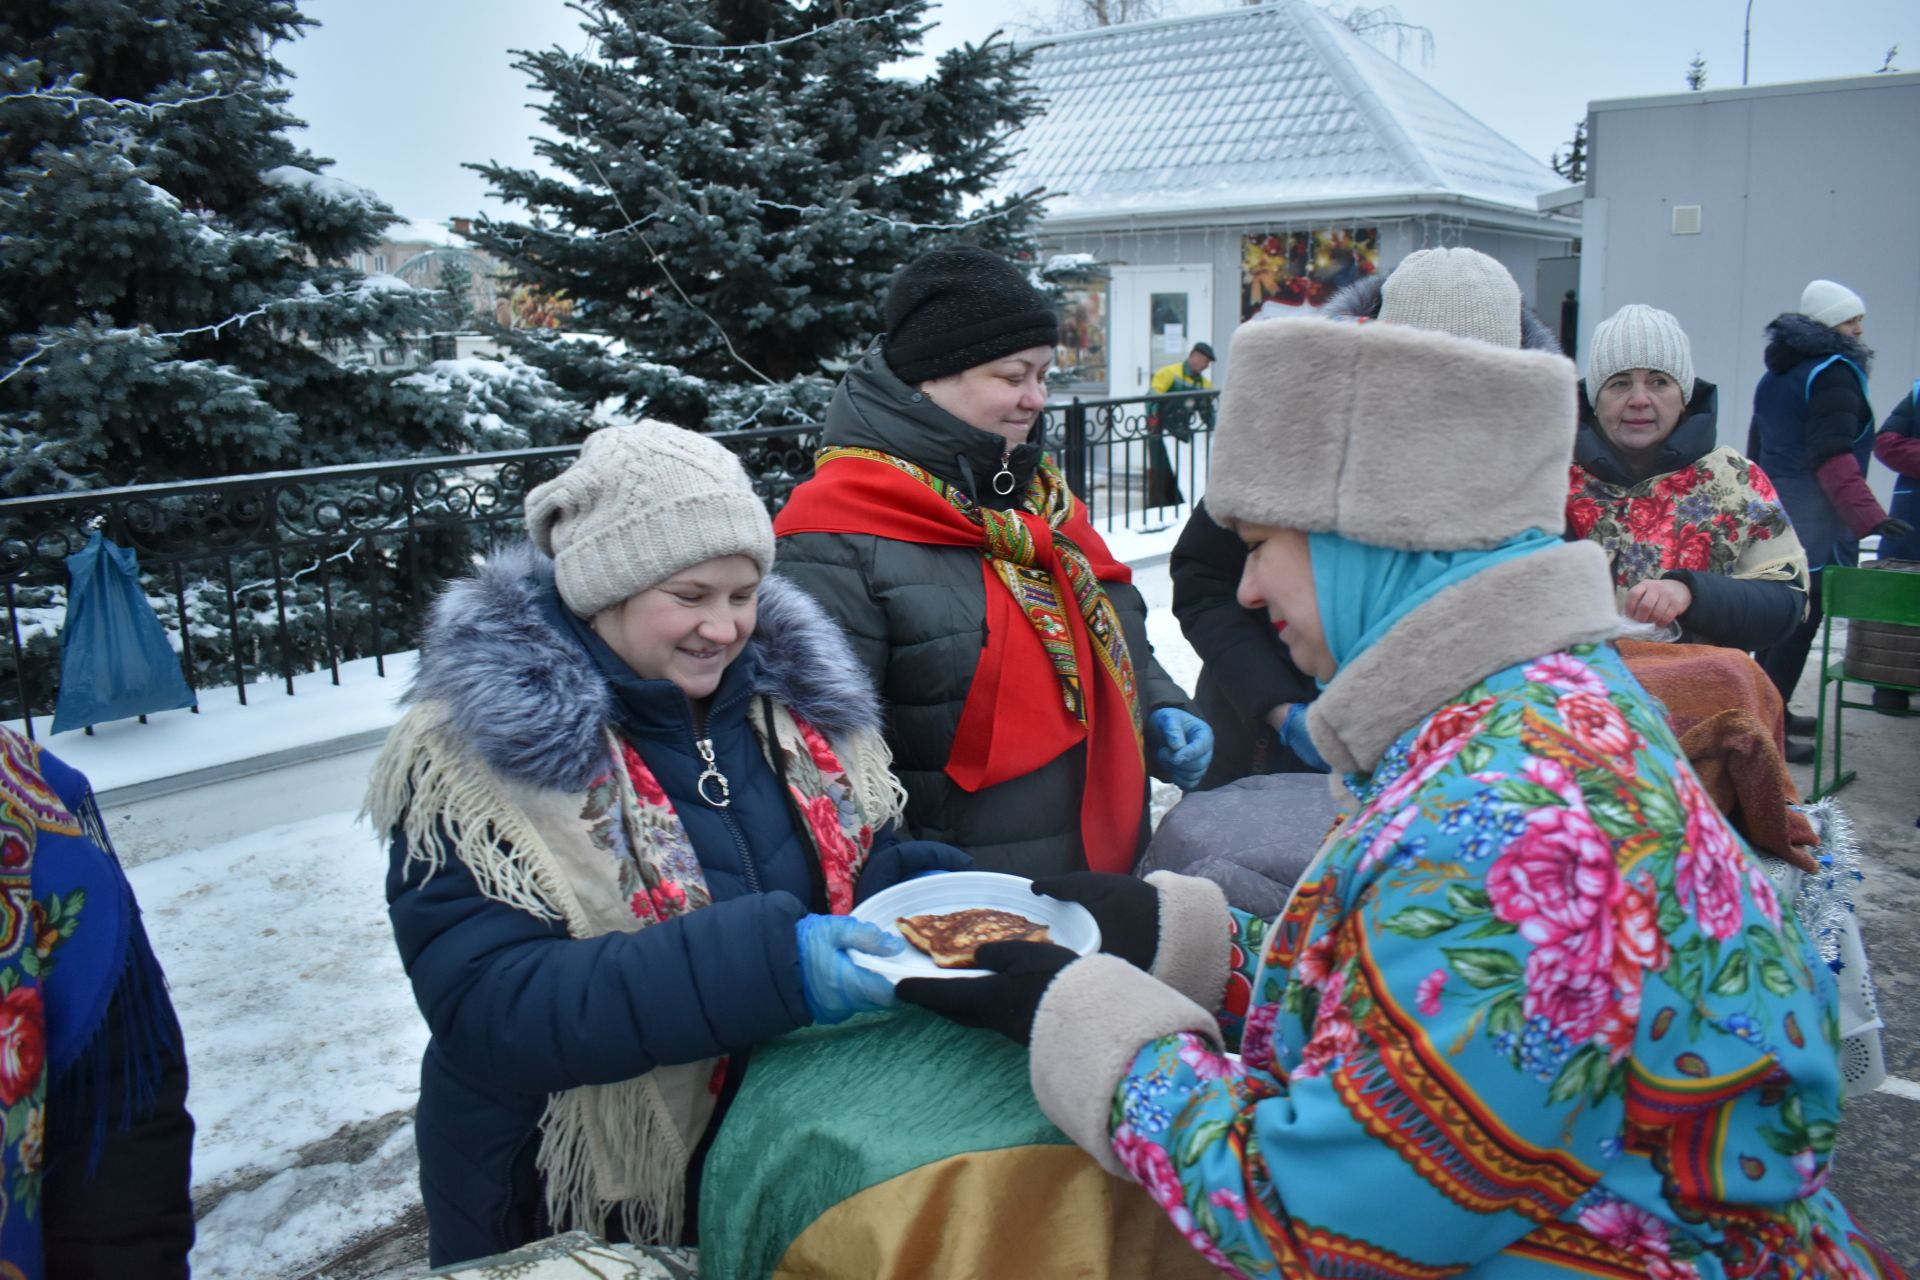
(1257, 156)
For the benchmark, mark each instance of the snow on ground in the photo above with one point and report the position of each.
(298, 1022)
(123, 752)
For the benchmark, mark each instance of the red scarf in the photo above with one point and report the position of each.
(1055, 669)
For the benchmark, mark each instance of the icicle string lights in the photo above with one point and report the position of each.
(784, 40)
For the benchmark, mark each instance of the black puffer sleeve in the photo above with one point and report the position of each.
(1837, 412)
(1739, 613)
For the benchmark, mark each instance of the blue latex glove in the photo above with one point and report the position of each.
(1183, 746)
(835, 987)
(1293, 732)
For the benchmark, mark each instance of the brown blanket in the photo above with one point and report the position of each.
(1732, 727)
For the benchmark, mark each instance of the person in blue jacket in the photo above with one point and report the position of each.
(638, 789)
(1812, 433)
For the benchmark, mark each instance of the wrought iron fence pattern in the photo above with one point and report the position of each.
(292, 573)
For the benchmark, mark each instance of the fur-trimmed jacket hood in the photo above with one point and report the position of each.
(1792, 338)
(1361, 301)
(531, 702)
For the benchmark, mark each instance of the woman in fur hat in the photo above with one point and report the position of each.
(1535, 1010)
(1025, 707)
(640, 785)
(1813, 433)
(1695, 532)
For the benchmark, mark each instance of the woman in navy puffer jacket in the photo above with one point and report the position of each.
(637, 792)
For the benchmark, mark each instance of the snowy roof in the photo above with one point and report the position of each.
(1258, 107)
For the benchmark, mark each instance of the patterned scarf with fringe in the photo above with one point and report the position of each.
(616, 858)
(1064, 677)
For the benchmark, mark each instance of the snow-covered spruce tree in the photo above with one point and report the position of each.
(736, 181)
(172, 299)
(173, 305)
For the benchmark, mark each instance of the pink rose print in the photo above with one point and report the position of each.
(1256, 1038)
(1812, 1174)
(669, 899)
(1204, 1062)
(1150, 1165)
(1568, 988)
(1710, 868)
(1316, 962)
(1626, 1227)
(1597, 725)
(1334, 1035)
(1427, 994)
(23, 1043)
(1230, 1201)
(1639, 947)
(1556, 879)
(1692, 548)
(1389, 836)
(820, 749)
(837, 854)
(1451, 726)
(1761, 890)
(1649, 517)
(645, 786)
(1556, 778)
(1566, 673)
(642, 907)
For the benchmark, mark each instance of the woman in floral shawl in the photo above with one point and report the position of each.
(1694, 531)
(1534, 1011)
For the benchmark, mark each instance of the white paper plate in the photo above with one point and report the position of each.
(1070, 924)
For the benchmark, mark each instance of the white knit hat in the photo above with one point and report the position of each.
(1458, 291)
(1639, 337)
(1830, 303)
(640, 504)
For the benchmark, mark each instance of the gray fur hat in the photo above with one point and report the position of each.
(1392, 436)
(641, 503)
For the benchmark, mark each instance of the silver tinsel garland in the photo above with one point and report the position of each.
(1823, 900)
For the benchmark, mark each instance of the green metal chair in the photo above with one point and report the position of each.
(1865, 596)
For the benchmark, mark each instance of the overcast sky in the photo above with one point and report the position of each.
(400, 92)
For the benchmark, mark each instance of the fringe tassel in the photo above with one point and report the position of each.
(577, 1156)
(136, 1040)
(425, 786)
(869, 764)
(1824, 900)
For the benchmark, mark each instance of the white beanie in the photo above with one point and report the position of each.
(1639, 337)
(641, 503)
(1830, 304)
(1458, 291)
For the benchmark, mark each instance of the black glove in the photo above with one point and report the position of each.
(903, 860)
(1007, 1001)
(1893, 527)
(1127, 911)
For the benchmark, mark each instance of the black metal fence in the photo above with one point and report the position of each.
(297, 572)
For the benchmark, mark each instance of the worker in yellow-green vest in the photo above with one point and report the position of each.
(1174, 417)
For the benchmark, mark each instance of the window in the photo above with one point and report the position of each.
(379, 262)
(1082, 353)
(359, 262)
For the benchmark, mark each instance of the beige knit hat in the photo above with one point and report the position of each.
(1391, 436)
(1639, 337)
(1457, 291)
(641, 503)
(1830, 303)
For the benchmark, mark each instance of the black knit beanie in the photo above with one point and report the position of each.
(951, 309)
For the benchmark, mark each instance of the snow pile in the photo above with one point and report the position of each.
(325, 186)
(299, 1023)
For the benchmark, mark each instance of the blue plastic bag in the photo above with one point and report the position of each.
(115, 661)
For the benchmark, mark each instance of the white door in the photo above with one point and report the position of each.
(1157, 314)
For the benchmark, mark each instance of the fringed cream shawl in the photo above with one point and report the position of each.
(604, 861)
